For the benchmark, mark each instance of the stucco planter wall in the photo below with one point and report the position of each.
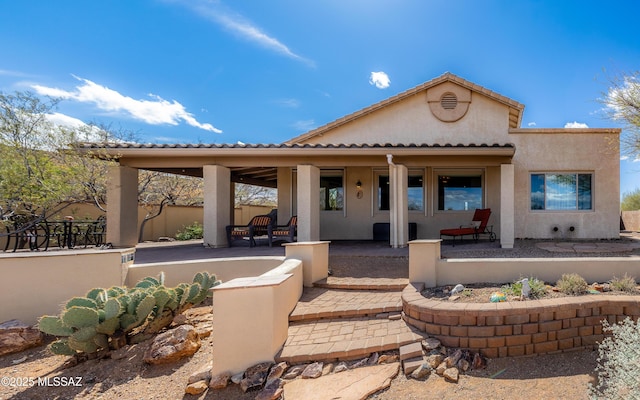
(517, 328)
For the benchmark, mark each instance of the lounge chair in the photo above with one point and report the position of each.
(479, 226)
(286, 232)
(258, 226)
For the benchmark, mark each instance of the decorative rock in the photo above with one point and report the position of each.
(412, 364)
(434, 360)
(430, 343)
(204, 330)
(453, 359)
(16, 336)
(255, 376)
(220, 381)
(271, 391)
(276, 372)
(173, 345)
(463, 365)
(451, 374)
(373, 359)
(422, 372)
(441, 368)
(180, 319)
(237, 378)
(312, 371)
(196, 387)
(327, 369)
(359, 363)
(294, 371)
(388, 358)
(202, 374)
(410, 351)
(479, 362)
(342, 366)
(343, 386)
(395, 317)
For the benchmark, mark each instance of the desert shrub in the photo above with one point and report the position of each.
(193, 231)
(538, 288)
(625, 284)
(572, 284)
(618, 360)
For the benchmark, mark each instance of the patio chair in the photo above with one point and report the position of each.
(258, 226)
(479, 226)
(286, 232)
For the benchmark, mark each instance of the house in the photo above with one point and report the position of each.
(428, 157)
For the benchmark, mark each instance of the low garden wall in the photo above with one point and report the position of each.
(35, 284)
(517, 328)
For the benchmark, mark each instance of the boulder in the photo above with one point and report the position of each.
(341, 367)
(202, 374)
(220, 381)
(451, 374)
(276, 372)
(422, 372)
(16, 336)
(312, 371)
(294, 372)
(255, 376)
(196, 387)
(271, 391)
(173, 345)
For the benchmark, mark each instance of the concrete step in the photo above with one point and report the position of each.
(348, 283)
(321, 303)
(345, 339)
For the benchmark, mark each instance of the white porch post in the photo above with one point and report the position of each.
(398, 208)
(217, 204)
(308, 203)
(122, 211)
(284, 195)
(507, 206)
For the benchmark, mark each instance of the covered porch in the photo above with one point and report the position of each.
(338, 192)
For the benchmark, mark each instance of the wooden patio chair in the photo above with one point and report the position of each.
(479, 226)
(286, 232)
(258, 226)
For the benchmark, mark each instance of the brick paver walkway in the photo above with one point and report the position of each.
(330, 323)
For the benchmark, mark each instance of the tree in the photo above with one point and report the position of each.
(40, 173)
(157, 189)
(631, 201)
(622, 104)
(254, 195)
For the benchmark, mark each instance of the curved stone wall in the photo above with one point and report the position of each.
(517, 328)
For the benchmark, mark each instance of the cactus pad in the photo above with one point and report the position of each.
(53, 326)
(79, 317)
(81, 302)
(61, 348)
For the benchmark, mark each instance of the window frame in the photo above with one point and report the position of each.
(457, 172)
(378, 173)
(577, 192)
(333, 172)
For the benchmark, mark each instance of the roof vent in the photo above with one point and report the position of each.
(449, 101)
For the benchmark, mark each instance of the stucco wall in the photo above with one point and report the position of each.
(631, 220)
(34, 284)
(568, 152)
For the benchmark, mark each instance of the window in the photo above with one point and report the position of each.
(557, 191)
(459, 192)
(331, 190)
(415, 197)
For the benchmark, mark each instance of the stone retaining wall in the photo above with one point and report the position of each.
(517, 328)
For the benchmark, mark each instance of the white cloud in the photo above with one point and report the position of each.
(237, 24)
(623, 158)
(65, 120)
(379, 79)
(531, 124)
(304, 125)
(154, 112)
(575, 124)
(290, 103)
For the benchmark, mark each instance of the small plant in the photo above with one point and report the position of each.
(572, 284)
(193, 231)
(109, 318)
(538, 288)
(618, 360)
(624, 284)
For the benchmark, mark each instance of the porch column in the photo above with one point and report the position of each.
(308, 203)
(284, 195)
(507, 206)
(217, 205)
(122, 210)
(398, 208)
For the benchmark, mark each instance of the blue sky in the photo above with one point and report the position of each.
(266, 71)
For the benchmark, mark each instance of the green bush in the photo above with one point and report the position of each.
(618, 360)
(624, 284)
(538, 289)
(193, 231)
(572, 284)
